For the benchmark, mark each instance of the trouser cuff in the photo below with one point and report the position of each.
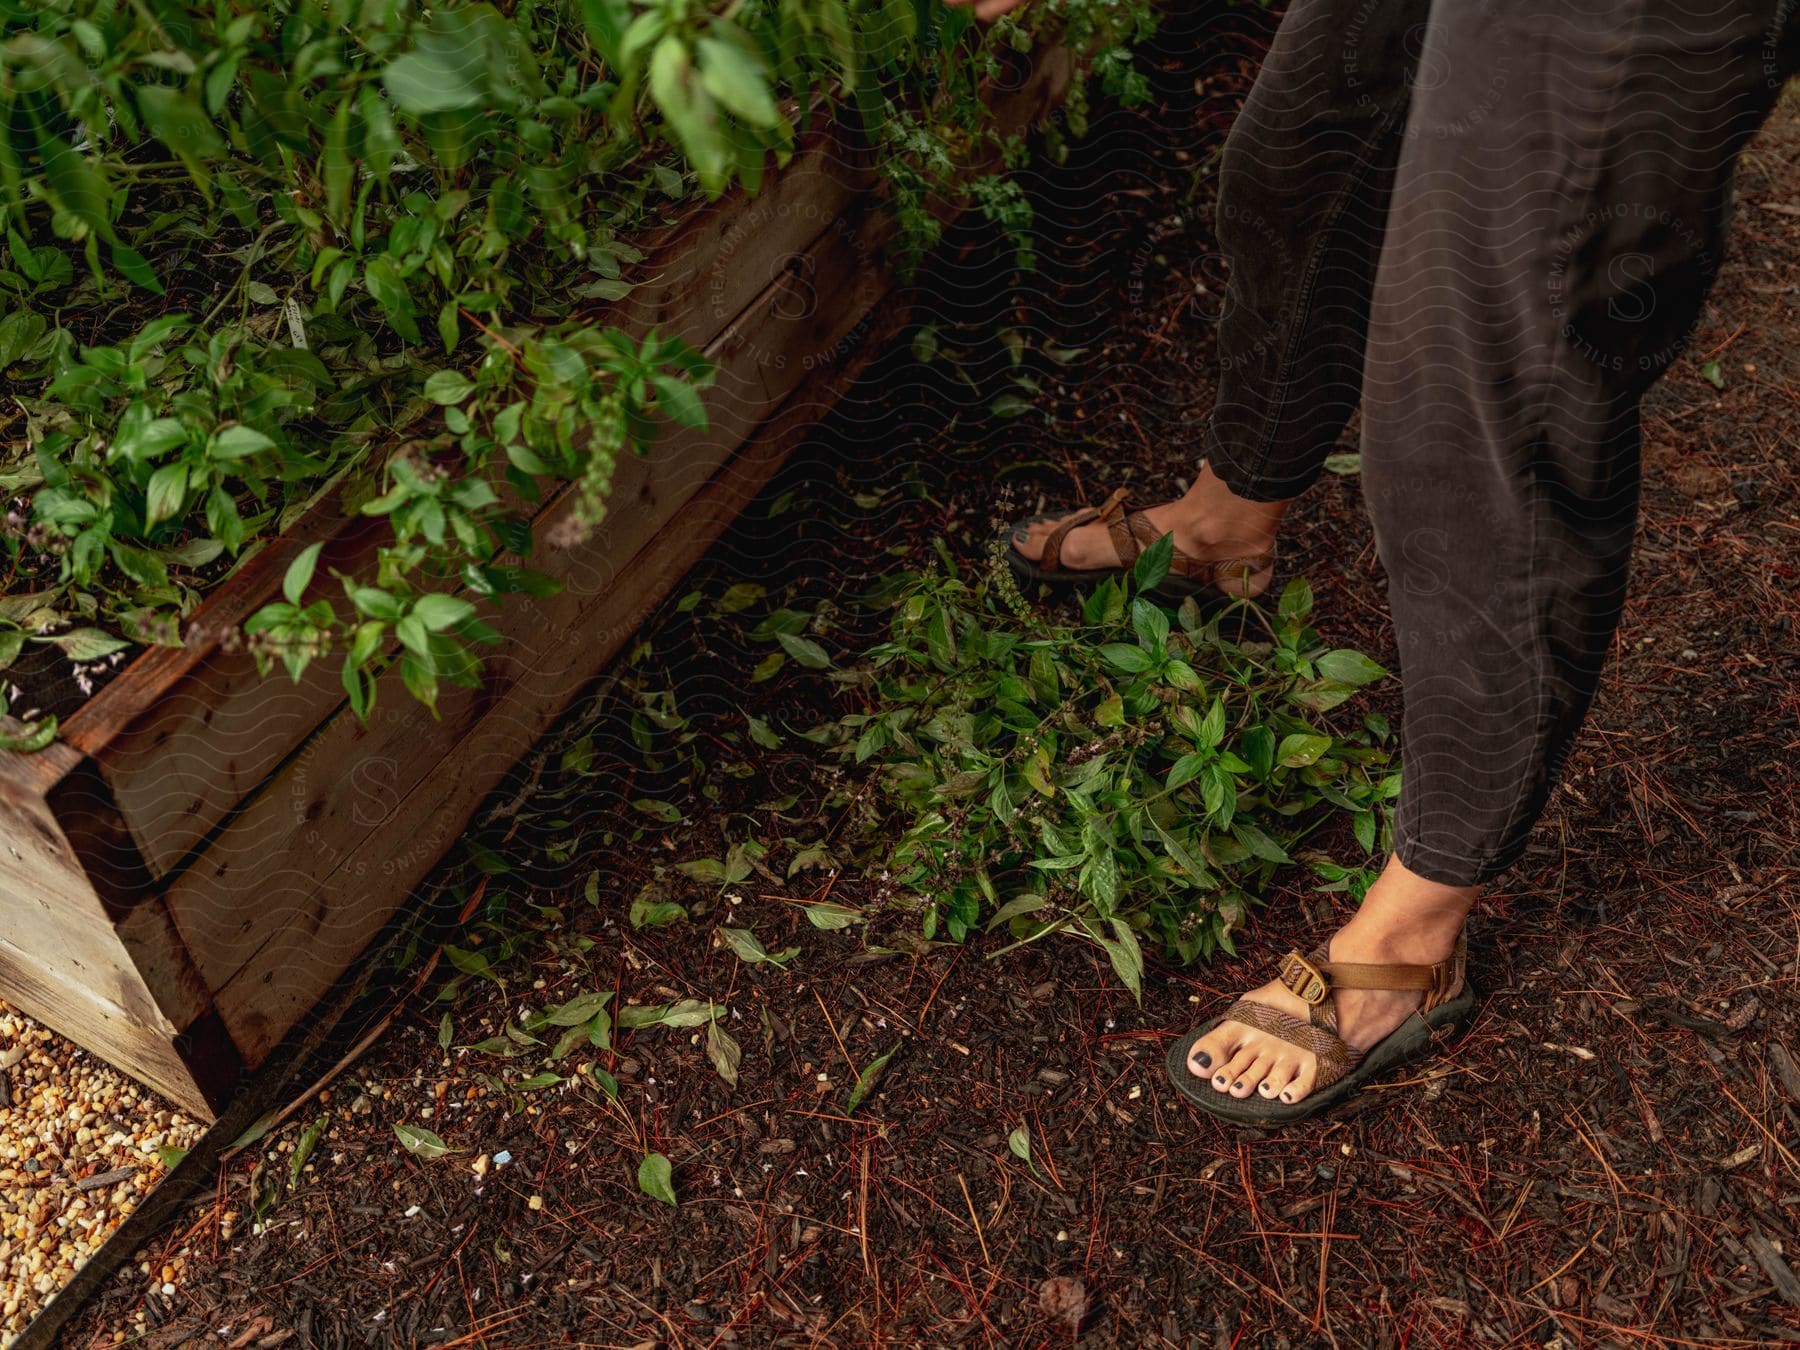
(1450, 868)
(1249, 483)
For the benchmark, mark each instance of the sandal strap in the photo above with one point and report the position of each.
(1224, 569)
(1312, 978)
(1120, 529)
(1051, 558)
(1335, 1056)
(1183, 564)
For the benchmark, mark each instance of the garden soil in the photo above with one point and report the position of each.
(1605, 1157)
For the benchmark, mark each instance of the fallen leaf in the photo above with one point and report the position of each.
(866, 1080)
(421, 1142)
(655, 1178)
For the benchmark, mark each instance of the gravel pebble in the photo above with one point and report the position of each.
(79, 1148)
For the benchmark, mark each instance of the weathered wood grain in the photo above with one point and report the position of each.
(82, 804)
(727, 253)
(48, 907)
(286, 975)
(353, 783)
(195, 1072)
(64, 961)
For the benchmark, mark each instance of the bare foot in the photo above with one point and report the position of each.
(1404, 919)
(1208, 521)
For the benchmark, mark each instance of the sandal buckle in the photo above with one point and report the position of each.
(1305, 980)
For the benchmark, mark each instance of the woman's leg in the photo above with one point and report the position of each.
(1558, 217)
(1303, 192)
(1561, 213)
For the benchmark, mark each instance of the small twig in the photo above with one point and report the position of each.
(481, 1331)
(517, 355)
(94, 1183)
(975, 1219)
(1730, 338)
(834, 1036)
(1325, 1221)
(862, 1217)
(1780, 1147)
(939, 985)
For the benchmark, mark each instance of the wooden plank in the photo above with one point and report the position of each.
(345, 780)
(183, 735)
(216, 733)
(727, 254)
(63, 962)
(298, 962)
(38, 774)
(49, 908)
(83, 807)
(154, 671)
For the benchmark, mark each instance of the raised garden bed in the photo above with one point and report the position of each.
(203, 851)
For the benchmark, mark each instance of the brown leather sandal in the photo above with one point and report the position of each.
(1449, 998)
(1132, 532)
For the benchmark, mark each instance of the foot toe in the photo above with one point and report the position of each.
(1251, 1078)
(1280, 1074)
(1301, 1085)
(1213, 1050)
(1230, 1074)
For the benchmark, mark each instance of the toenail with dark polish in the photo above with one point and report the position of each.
(1235, 1086)
(1204, 1058)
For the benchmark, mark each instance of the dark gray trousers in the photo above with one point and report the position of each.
(1492, 222)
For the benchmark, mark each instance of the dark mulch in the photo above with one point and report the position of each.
(1604, 1158)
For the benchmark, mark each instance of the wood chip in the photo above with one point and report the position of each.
(1742, 1156)
(1706, 1026)
(1784, 1069)
(112, 1178)
(259, 1326)
(1778, 1271)
(1579, 1051)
